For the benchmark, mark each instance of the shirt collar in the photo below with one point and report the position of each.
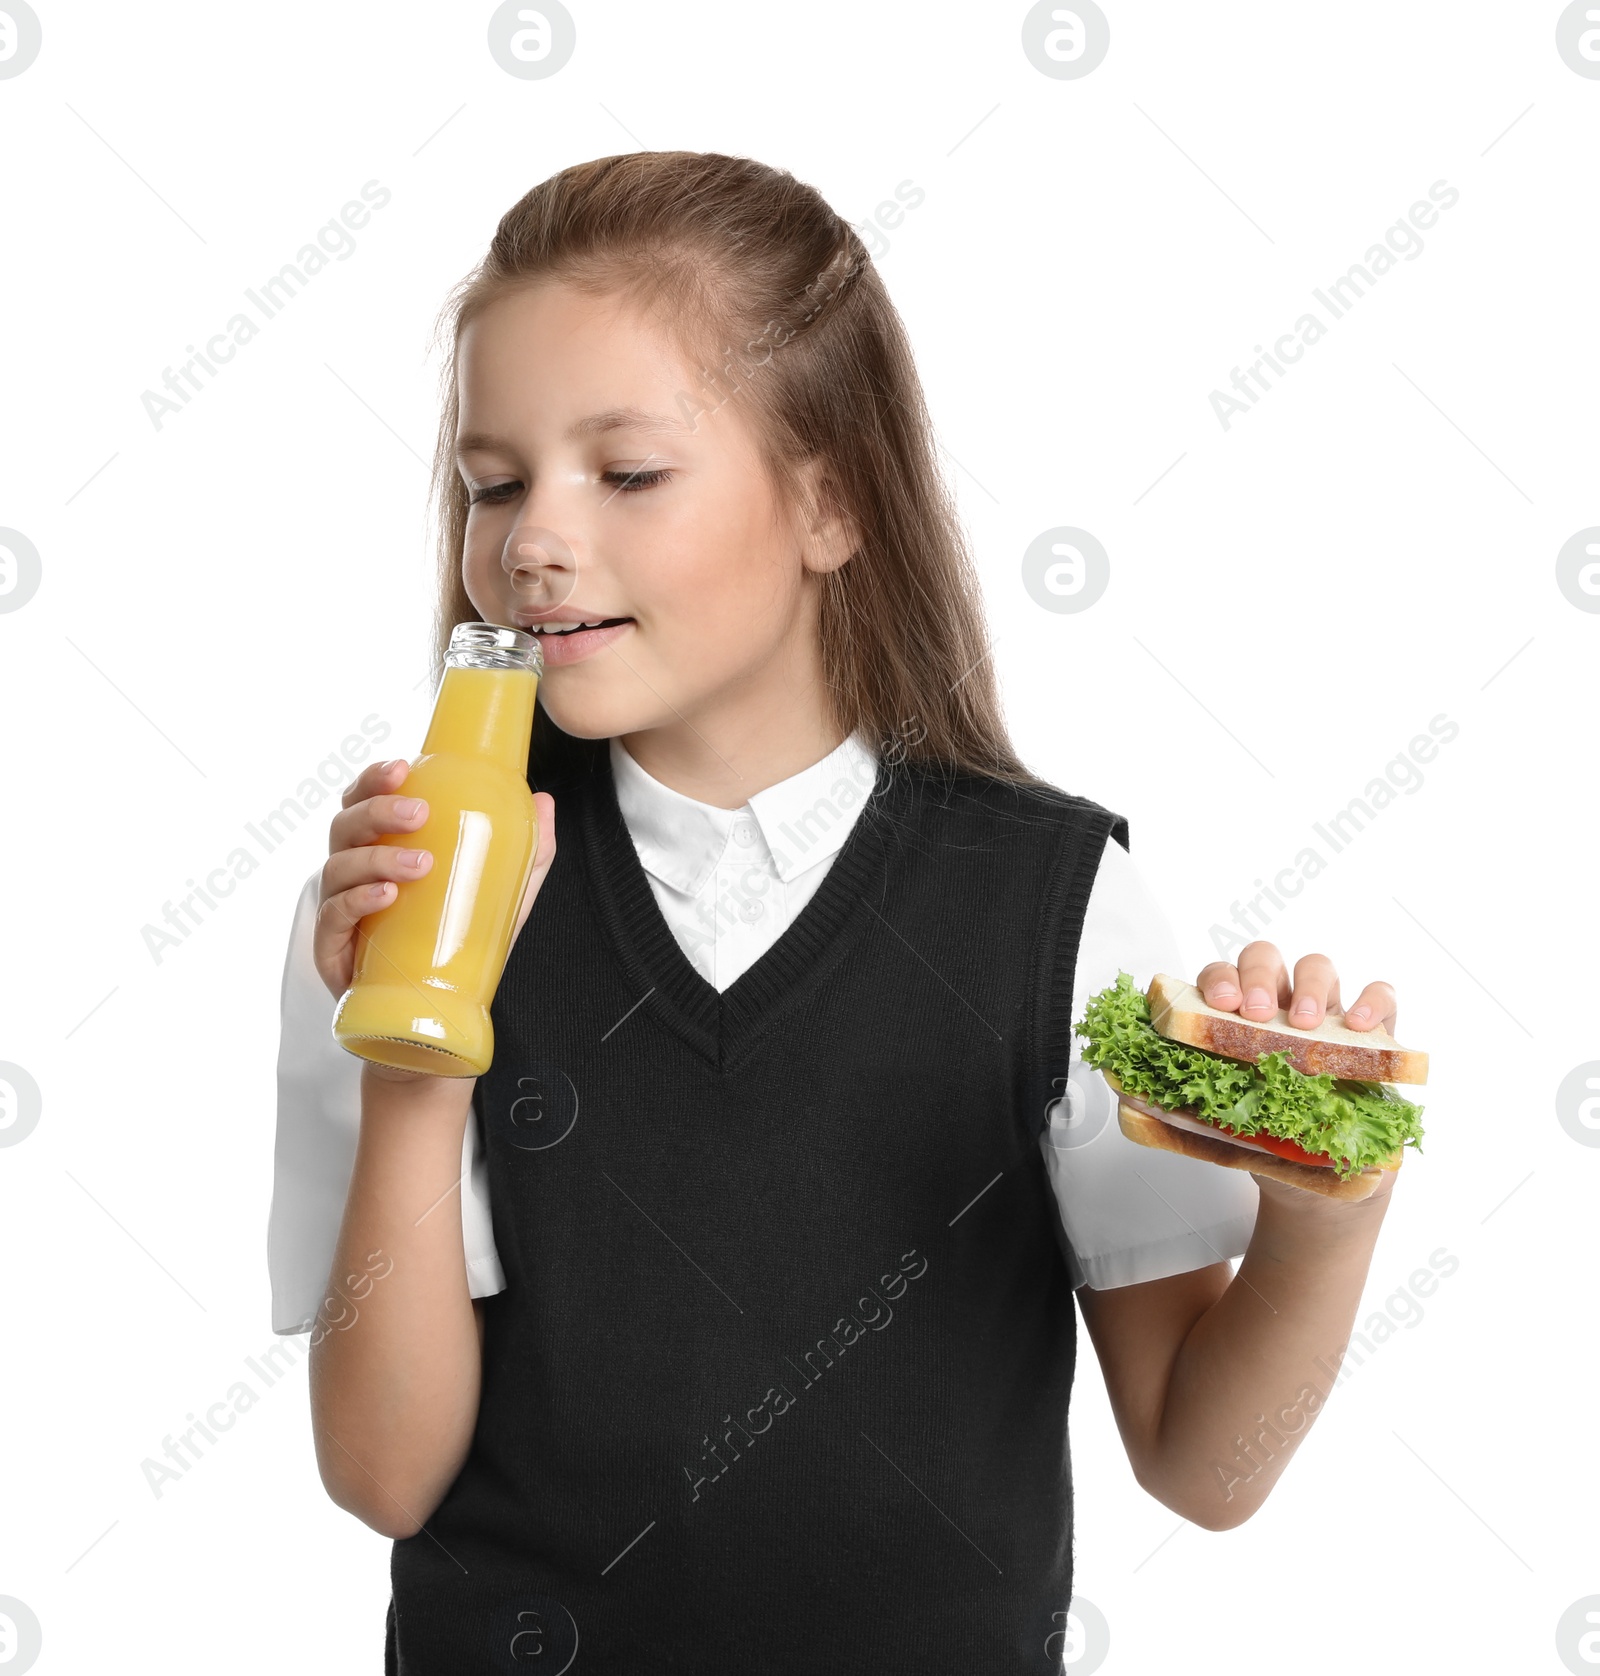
(808, 816)
(802, 820)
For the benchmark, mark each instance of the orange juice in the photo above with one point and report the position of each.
(427, 965)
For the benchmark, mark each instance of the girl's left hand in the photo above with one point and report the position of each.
(1257, 987)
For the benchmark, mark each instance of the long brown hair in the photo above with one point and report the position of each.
(732, 252)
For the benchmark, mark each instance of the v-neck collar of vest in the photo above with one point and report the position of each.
(721, 1026)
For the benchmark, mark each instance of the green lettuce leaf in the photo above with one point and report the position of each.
(1356, 1124)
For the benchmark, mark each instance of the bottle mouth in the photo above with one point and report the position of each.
(493, 646)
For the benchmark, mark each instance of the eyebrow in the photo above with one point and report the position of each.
(597, 424)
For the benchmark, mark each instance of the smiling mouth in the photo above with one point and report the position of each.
(557, 631)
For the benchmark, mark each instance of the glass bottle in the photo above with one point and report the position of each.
(428, 964)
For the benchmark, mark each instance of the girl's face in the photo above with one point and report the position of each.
(586, 436)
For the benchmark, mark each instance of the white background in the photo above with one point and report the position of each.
(1373, 545)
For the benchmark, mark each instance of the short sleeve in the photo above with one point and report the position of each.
(1128, 1212)
(319, 1117)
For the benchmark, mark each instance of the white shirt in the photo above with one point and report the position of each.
(729, 882)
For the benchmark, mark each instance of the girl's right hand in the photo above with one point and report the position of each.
(362, 875)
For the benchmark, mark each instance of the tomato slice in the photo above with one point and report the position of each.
(1283, 1149)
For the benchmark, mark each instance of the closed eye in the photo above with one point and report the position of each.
(630, 482)
(625, 482)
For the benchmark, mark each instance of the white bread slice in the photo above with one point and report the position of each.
(1139, 1121)
(1179, 1012)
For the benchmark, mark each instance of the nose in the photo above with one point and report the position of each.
(540, 566)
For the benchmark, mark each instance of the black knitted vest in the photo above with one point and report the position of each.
(779, 1378)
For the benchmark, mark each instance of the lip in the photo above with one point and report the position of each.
(561, 649)
(560, 614)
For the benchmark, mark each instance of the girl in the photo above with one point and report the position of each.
(761, 1353)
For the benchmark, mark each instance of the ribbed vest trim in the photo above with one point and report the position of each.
(721, 1026)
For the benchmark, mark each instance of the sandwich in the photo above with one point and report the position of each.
(1316, 1109)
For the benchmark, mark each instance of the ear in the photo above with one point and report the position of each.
(829, 537)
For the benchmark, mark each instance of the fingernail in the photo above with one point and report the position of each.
(410, 858)
(1306, 1008)
(1257, 998)
(1360, 1015)
(407, 807)
(1225, 992)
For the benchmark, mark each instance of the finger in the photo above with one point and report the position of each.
(372, 864)
(1315, 985)
(1218, 984)
(340, 914)
(376, 777)
(1374, 1006)
(333, 933)
(335, 928)
(544, 806)
(1264, 980)
(367, 819)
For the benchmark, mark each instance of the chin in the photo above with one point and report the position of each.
(603, 715)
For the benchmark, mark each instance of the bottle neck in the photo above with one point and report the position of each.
(484, 713)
